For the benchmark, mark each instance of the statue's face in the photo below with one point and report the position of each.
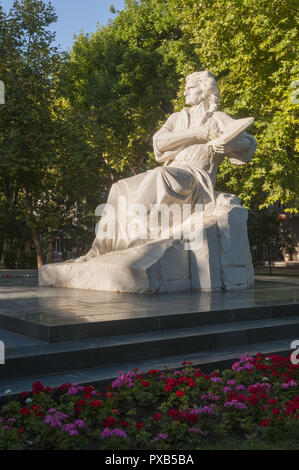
(193, 93)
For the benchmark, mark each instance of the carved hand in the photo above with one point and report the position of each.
(217, 148)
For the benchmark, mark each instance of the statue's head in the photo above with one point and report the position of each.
(202, 86)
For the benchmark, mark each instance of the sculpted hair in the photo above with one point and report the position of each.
(209, 87)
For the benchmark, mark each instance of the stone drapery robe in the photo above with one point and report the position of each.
(187, 177)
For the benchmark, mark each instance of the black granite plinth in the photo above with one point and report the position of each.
(55, 314)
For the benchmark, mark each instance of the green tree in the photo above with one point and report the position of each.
(27, 65)
(124, 77)
(251, 48)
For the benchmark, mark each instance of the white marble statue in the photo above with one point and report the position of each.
(189, 145)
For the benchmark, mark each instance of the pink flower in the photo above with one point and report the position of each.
(79, 423)
(197, 431)
(160, 437)
(231, 382)
(106, 433)
(284, 386)
(113, 432)
(236, 404)
(119, 433)
(216, 379)
(240, 387)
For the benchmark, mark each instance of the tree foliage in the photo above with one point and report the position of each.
(27, 63)
(251, 48)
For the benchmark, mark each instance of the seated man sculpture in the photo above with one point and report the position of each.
(191, 146)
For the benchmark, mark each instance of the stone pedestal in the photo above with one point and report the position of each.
(221, 260)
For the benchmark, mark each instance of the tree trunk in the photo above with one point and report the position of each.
(35, 234)
(38, 247)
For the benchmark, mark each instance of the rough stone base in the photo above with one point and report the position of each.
(161, 266)
(221, 261)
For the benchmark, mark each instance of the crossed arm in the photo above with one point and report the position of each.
(168, 142)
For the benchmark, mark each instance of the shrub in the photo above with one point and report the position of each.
(27, 260)
(10, 259)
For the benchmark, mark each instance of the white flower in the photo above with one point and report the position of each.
(265, 379)
(8, 392)
(28, 400)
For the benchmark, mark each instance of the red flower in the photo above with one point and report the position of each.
(139, 425)
(266, 422)
(259, 357)
(37, 387)
(24, 395)
(180, 393)
(292, 406)
(81, 403)
(199, 374)
(87, 396)
(95, 404)
(78, 407)
(157, 417)
(173, 413)
(145, 384)
(36, 410)
(275, 411)
(232, 396)
(154, 371)
(241, 398)
(261, 366)
(185, 363)
(64, 387)
(25, 411)
(20, 432)
(191, 383)
(253, 400)
(123, 424)
(191, 418)
(273, 401)
(109, 422)
(275, 373)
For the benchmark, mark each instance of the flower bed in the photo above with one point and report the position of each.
(182, 409)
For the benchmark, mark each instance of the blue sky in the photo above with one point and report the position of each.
(74, 15)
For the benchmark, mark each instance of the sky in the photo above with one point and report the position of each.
(77, 15)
